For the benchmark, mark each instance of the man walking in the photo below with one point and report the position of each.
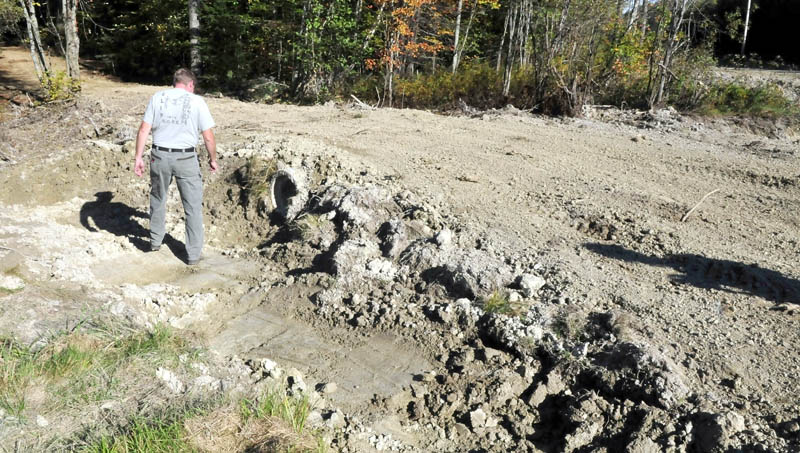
(176, 116)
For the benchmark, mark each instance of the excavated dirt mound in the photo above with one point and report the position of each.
(503, 282)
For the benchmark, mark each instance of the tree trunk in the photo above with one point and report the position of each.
(37, 51)
(456, 35)
(633, 13)
(374, 27)
(463, 42)
(72, 39)
(194, 35)
(746, 26)
(679, 9)
(511, 56)
(503, 39)
(644, 19)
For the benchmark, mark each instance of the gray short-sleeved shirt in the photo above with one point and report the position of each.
(177, 118)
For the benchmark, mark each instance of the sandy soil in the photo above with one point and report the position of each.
(598, 201)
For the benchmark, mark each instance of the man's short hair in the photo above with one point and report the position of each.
(183, 76)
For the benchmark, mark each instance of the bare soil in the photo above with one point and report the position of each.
(594, 205)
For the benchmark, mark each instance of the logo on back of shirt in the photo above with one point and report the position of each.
(175, 110)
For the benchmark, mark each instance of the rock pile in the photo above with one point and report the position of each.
(524, 374)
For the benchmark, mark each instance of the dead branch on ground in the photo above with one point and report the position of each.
(685, 216)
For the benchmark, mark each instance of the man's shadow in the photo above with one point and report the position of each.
(710, 273)
(119, 219)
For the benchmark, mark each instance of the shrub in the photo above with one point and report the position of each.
(60, 87)
(764, 100)
(476, 83)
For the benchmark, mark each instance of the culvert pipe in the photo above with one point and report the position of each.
(288, 192)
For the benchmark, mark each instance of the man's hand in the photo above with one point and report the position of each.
(138, 167)
(141, 138)
(211, 147)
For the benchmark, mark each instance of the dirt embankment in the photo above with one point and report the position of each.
(500, 282)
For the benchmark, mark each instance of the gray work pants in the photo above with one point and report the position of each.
(186, 170)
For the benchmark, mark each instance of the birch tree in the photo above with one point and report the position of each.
(194, 35)
(457, 35)
(37, 51)
(677, 11)
(72, 40)
(746, 26)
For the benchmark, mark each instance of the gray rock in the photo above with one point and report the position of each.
(328, 388)
(329, 296)
(530, 284)
(129, 147)
(642, 445)
(444, 238)
(428, 376)
(381, 269)
(171, 380)
(464, 273)
(419, 390)
(270, 368)
(351, 258)
(295, 383)
(334, 419)
(206, 382)
(393, 238)
(715, 432)
(357, 207)
(552, 385)
(477, 419)
(460, 430)
(314, 418)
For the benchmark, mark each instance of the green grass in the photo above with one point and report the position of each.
(273, 421)
(18, 367)
(160, 339)
(259, 171)
(498, 303)
(292, 410)
(88, 366)
(145, 437)
(77, 367)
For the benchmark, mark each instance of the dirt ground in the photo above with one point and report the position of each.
(596, 204)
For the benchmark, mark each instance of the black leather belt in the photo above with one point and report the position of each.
(174, 150)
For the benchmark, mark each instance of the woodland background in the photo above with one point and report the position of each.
(550, 56)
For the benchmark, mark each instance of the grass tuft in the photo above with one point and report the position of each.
(307, 225)
(291, 409)
(281, 421)
(259, 171)
(498, 302)
(75, 367)
(569, 323)
(145, 437)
